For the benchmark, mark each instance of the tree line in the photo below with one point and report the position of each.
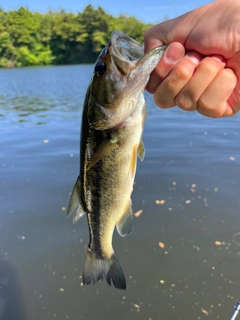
(54, 38)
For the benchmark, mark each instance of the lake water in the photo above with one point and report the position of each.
(182, 260)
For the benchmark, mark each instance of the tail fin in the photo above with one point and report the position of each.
(96, 269)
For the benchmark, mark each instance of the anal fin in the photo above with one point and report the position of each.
(75, 202)
(125, 225)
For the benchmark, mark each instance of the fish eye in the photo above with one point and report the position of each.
(100, 68)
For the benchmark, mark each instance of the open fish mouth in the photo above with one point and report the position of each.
(126, 47)
(120, 75)
(129, 53)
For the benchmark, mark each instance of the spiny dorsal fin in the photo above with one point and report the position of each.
(103, 149)
(125, 225)
(75, 202)
(141, 151)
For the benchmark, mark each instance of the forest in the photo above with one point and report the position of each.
(56, 38)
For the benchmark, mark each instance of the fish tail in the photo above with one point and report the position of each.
(96, 269)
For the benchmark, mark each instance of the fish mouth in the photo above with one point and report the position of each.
(128, 54)
(126, 47)
(125, 52)
(127, 72)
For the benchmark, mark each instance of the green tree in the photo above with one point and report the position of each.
(65, 29)
(31, 38)
(94, 32)
(25, 45)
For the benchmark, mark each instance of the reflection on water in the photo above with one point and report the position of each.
(34, 94)
(187, 186)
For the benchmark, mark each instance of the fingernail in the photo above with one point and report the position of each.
(219, 58)
(173, 54)
(194, 56)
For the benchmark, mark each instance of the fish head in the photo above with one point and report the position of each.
(120, 75)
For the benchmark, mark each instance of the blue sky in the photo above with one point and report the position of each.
(148, 11)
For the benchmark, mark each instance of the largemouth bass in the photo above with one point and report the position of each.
(111, 139)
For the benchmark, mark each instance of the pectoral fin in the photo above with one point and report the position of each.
(141, 151)
(125, 225)
(75, 202)
(102, 150)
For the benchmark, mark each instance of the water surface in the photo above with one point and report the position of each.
(188, 188)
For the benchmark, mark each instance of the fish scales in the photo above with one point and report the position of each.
(110, 184)
(111, 139)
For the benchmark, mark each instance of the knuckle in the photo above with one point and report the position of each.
(160, 101)
(210, 65)
(216, 113)
(182, 73)
(170, 86)
(212, 102)
(183, 101)
(228, 76)
(151, 88)
(206, 107)
(204, 103)
(163, 99)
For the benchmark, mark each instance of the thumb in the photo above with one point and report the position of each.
(174, 52)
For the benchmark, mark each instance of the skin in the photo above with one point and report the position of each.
(200, 69)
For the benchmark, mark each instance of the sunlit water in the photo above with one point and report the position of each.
(188, 188)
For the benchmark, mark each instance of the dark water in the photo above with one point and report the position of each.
(192, 163)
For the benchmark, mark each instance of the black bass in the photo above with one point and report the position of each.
(111, 139)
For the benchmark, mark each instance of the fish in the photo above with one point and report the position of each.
(113, 118)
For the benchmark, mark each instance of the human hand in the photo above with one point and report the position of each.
(207, 78)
